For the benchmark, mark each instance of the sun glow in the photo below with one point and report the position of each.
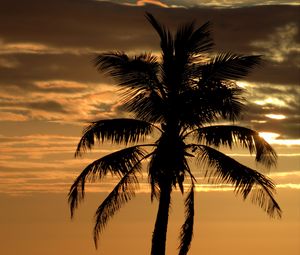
(272, 138)
(270, 101)
(276, 116)
(243, 84)
(269, 136)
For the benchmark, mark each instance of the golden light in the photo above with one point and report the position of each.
(272, 138)
(276, 116)
(154, 2)
(243, 84)
(270, 100)
(258, 121)
(269, 136)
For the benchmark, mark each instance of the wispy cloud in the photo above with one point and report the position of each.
(59, 181)
(37, 48)
(154, 2)
(282, 43)
(59, 100)
(206, 3)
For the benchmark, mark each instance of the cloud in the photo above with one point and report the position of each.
(61, 86)
(207, 3)
(280, 45)
(46, 71)
(23, 48)
(154, 2)
(49, 106)
(278, 101)
(61, 100)
(49, 88)
(8, 62)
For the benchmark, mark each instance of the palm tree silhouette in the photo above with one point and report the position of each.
(179, 96)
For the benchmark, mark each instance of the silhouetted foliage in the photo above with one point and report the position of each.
(180, 95)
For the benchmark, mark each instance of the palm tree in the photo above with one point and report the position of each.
(184, 96)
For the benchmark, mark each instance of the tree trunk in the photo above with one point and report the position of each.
(160, 230)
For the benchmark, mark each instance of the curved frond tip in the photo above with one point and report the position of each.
(228, 66)
(137, 72)
(118, 163)
(116, 130)
(186, 232)
(228, 135)
(222, 168)
(121, 194)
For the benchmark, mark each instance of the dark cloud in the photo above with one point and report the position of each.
(278, 73)
(107, 26)
(44, 41)
(49, 67)
(33, 127)
(103, 25)
(289, 128)
(86, 26)
(50, 106)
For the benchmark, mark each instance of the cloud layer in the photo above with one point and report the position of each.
(49, 88)
(46, 49)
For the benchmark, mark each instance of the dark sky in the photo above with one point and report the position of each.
(46, 49)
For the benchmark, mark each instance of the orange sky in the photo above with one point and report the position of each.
(49, 90)
(40, 224)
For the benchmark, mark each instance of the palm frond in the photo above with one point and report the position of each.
(228, 66)
(138, 72)
(228, 135)
(201, 40)
(116, 130)
(118, 163)
(182, 37)
(186, 233)
(165, 35)
(189, 43)
(198, 106)
(167, 46)
(121, 194)
(147, 105)
(222, 168)
(224, 98)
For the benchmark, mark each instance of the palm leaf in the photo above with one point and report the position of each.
(147, 106)
(228, 66)
(235, 135)
(222, 168)
(116, 130)
(186, 233)
(224, 98)
(201, 40)
(118, 163)
(168, 72)
(197, 106)
(138, 71)
(121, 194)
(166, 42)
(189, 43)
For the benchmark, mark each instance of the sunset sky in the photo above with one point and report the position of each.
(49, 90)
